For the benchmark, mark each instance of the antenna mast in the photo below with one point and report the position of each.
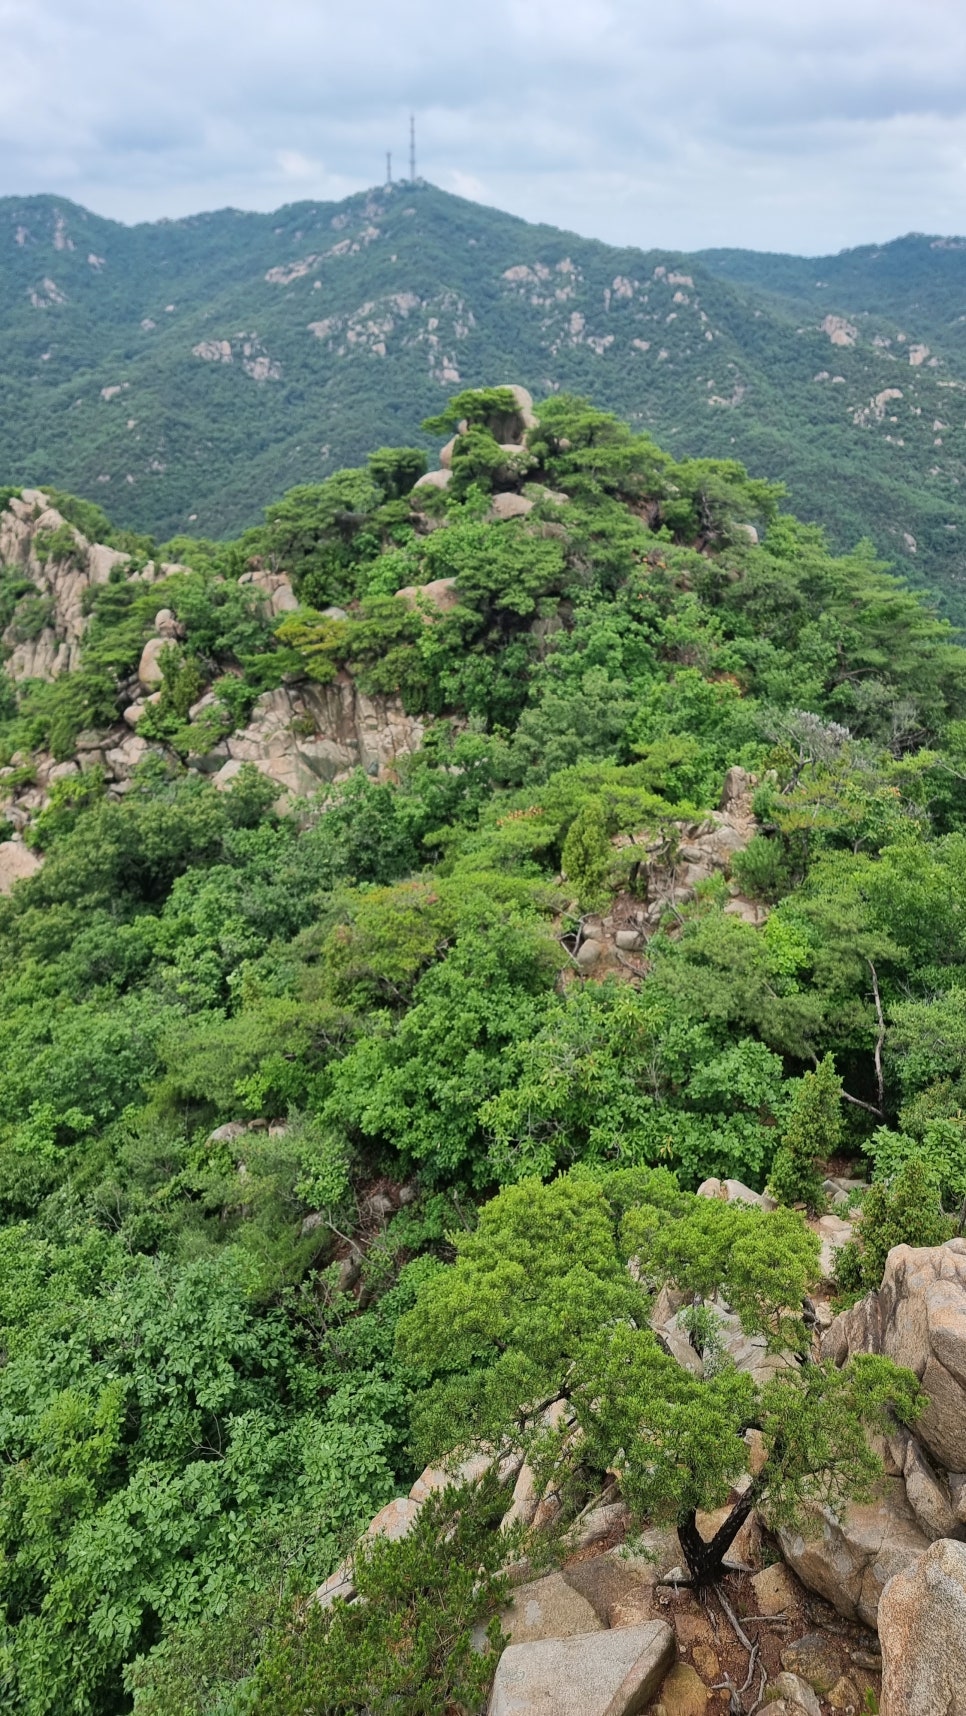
(388, 166)
(412, 147)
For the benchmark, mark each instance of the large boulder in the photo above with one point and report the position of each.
(849, 1560)
(351, 730)
(62, 580)
(439, 593)
(507, 506)
(922, 1632)
(548, 1608)
(433, 480)
(16, 862)
(150, 673)
(604, 1674)
(918, 1319)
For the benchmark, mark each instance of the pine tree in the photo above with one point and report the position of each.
(813, 1133)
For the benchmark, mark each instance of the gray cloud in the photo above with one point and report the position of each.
(803, 127)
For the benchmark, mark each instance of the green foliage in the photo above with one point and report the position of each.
(316, 1148)
(905, 1209)
(940, 1152)
(540, 1300)
(245, 436)
(394, 470)
(407, 1639)
(812, 1134)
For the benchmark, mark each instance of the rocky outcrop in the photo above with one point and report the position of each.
(275, 587)
(309, 737)
(62, 571)
(605, 1674)
(850, 1559)
(16, 862)
(664, 871)
(510, 430)
(747, 1352)
(439, 593)
(61, 581)
(922, 1632)
(918, 1319)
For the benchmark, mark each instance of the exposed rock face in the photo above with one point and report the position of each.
(748, 1352)
(61, 582)
(510, 430)
(434, 480)
(850, 1560)
(276, 588)
(548, 1608)
(16, 862)
(351, 731)
(606, 1674)
(150, 675)
(439, 593)
(796, 1693)
(509, 506)
(918, 1318)
(922, 1631)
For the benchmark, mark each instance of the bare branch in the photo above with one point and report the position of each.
(880, 1087)
(869, 1107)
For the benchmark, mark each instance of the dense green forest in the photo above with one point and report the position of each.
(185, 373)
(322, 1150)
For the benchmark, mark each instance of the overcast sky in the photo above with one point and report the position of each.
(803, 125)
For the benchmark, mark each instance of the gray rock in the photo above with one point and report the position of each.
(227, 1134)
(922, 1631)
(435, 1478)
(918, 1319)
(929, 1495)
(149, 667)
(611, 1673)
(509, 506)
(619, 1589)
(440, 594)
(628, 940)
(166, 624)
(796, 1692)
(548, 1608)
(598, 1523)
(814, 1659)
(17, 861)
(738, 784)
(850, 1560)
(434, 480)
(588, 953)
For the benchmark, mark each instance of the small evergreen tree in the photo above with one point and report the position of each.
(586, 852)
(812, 1133)
(906, 1210)
(541, 1302)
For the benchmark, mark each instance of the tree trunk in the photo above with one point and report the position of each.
(706, 1559)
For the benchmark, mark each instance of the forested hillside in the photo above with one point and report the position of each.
(185, 373)
(330, 1121)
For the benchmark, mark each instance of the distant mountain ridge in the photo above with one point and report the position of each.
(184, 373)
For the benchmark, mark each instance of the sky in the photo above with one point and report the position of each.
(798, 125)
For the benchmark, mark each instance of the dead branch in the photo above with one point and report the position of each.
(880, 1086)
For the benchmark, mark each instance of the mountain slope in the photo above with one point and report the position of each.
(184, 372)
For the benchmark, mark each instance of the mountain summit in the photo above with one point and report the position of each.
(184, 372)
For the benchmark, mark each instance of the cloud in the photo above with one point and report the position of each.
(707, 122)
